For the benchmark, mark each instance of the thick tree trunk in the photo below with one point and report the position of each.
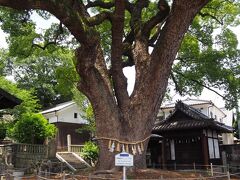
(135, 129)
(107, 158)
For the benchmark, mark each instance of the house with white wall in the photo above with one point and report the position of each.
(206, 107)
(67, 117)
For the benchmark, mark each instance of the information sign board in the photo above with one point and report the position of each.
(123, 159)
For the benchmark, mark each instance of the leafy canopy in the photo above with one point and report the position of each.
(209, 56)
(32, 128)
(35, 60)
(201, 49)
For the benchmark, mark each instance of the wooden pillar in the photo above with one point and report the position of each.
(57, 138)
(205, 149)
(69, 142)
(163, 154)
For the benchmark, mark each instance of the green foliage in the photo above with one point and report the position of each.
(47, 72)
(32, 128)
(90, 152)
(3, 62)
(235, 121)
(35, 59)
(87, 112)
(208, 56)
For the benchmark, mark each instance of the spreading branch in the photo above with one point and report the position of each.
(210, 15)
(54, 42)
(135, 22)
(98, 19)
(164, 10)
(178, 89)
(99, 3)
(66, 14)
(119, 80)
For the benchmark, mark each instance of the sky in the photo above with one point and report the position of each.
(129, 71)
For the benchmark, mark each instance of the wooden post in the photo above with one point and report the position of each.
(163, 154)
(211, 169)
(69, 142)
(89, 177)
(51, 149)
(228, 175)
(224, 161)
(63, 177)
(46, 174)
(205, 149)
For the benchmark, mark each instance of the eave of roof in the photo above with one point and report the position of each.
(59, 107)
(8, 100)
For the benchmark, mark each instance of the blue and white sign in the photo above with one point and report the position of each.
(123, 159)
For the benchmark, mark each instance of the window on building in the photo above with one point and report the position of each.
(75, 115)
(216, 148)
(215, 117)
(213, 146)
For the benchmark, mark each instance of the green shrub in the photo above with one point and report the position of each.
(90, 152)
(32, 128)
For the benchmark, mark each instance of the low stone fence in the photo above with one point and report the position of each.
(22, 155)
(26, 154)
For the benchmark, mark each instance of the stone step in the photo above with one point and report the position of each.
(71, 159)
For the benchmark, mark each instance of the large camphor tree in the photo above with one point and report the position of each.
(112, 35)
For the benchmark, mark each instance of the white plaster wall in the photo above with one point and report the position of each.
(215, 111)
(228, 138)
(52, 119)
(204, 108)
(66, 115)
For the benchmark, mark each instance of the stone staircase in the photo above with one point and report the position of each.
(72, 160)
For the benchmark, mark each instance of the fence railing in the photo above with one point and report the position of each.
(30, 148)
(23, 148)
(22, 155)
(76, 148)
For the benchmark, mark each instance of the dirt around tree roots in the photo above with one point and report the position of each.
(143, 174)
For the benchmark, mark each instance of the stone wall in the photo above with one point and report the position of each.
(231, 153)
(26, 155)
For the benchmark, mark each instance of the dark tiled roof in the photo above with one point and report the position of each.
(193, 119)
(7, 100)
